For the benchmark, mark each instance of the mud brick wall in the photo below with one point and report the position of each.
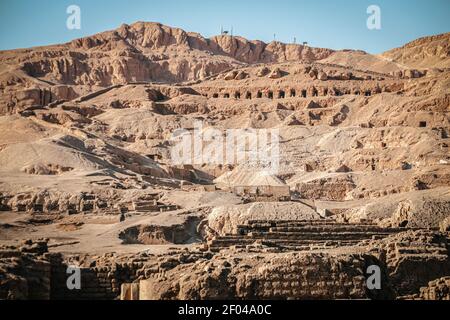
(269, 276)
(102, 278)
(327, 189)
(437, 290)
(24, 273)
(313, 277)
(414, 258)
(97, 282)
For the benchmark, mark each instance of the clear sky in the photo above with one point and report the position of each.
(336, 24)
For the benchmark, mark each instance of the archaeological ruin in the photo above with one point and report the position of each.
(88, 182)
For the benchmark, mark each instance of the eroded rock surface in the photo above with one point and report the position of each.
(87, 134)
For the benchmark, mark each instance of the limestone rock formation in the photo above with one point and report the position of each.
(132, 53)
(323, 76)
(430, 52)
(263, 72)
(339, 162)
(275, 74)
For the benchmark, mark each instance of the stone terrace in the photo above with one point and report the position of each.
(301, 235)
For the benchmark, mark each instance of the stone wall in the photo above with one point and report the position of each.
(24, 271)
(268, 276)
(408, 261)
(436, 290)
(414, 258)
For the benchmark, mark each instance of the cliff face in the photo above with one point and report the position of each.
(145, 37)
(141, 52)
(426, 52)
(151, 52)
(148, 52)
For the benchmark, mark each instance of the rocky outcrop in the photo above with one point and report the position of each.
(225, 220)
(135, 53)
(422, 214)
(276, 74)
(160, 234)
(426, 52)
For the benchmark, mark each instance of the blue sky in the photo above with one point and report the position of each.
(336, 24)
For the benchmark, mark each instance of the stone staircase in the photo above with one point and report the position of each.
(300, 235)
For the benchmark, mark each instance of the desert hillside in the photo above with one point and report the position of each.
(147, 52)
(426, 52)
(88, 177)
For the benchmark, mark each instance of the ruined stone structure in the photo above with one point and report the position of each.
(438, 289)
(300, 235)
(87, 177)
(263, 193)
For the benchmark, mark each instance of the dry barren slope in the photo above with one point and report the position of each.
(426, 52)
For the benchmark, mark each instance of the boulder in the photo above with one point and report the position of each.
(263, 72)
(275, 74)
(322, 76)
(231, 75)
(346, 76)
(413, 73)
(241, 75)
(313, 74)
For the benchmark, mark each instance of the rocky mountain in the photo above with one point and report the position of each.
(141, 52)
(149, 52)
(426, 52)
(89, 170)
(152, 52)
